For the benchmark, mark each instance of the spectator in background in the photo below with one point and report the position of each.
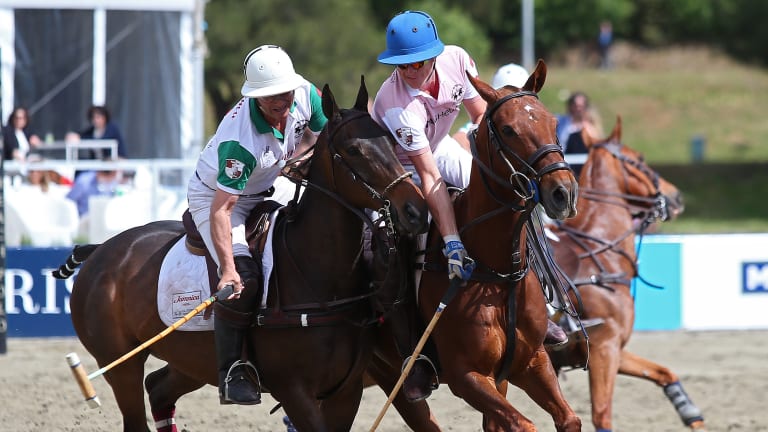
(604, 42)
(93, 183)
(46, 179)
(579, 117)
(17, 139)
(101, 127)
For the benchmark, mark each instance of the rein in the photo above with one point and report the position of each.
(525, 185)
(384, 223)
(656, 209)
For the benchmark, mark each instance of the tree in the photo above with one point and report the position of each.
(329, 41)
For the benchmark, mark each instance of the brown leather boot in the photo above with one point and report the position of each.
(234, 385)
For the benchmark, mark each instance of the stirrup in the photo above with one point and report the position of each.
(248, 366)
(430, 387)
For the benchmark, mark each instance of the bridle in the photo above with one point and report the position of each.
(525, 182)
(385, 214)
(525, 185)
(384, 223)
(651, 208)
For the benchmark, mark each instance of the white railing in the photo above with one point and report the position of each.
(156, 190)
(71, 148)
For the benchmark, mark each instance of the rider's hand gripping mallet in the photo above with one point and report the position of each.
(84, 381)
(452, 288)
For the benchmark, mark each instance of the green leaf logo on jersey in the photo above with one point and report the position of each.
(234, 169)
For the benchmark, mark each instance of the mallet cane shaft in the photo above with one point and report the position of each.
(452, 288)
(84, 381)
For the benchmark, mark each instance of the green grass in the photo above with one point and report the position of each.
(665, 98)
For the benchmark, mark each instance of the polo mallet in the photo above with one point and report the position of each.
(84, 381)
(452, 288)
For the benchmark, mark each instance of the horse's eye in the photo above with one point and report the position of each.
(508, 131)
(354, 150)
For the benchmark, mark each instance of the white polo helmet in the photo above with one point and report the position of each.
(510, 74)
(268, 72)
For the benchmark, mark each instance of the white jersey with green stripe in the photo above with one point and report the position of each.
(243, 157)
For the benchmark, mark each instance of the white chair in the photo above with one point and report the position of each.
(44, 219)
(108, 216)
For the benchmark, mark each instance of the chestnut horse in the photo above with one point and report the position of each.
(492, 332)
(620, 197)
(320, 297)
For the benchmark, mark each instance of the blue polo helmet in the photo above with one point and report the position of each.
(411, 37)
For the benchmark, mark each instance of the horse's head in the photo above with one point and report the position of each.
(362, 167)
(516, 147)
(641, 186)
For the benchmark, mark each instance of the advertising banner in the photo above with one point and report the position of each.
(37, 304)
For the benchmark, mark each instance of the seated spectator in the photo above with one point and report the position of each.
(101, 127)
(45, 179)
(17, 139)
(93, 183)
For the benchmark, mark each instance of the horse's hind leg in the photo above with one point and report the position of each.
(125, 381)
(165, 386)
(541, 384)
(634, 365)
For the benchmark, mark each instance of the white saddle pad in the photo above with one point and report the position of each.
(181, 287)
(183, 284)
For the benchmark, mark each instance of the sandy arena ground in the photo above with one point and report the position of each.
(725, 373)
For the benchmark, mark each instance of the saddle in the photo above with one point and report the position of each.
(256, 227)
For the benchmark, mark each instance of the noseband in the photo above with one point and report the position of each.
(656, 208)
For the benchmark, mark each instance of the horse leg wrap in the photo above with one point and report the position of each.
(164, 420)
(687, 411)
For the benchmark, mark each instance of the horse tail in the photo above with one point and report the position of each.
(79, 254)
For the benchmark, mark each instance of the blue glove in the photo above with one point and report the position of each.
(459, 264)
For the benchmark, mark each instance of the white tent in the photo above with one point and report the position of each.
(143, 59)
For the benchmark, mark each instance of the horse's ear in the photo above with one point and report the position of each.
(536, 80)
(486, 91)
(361, 104)
(616, 134)
(330, 108)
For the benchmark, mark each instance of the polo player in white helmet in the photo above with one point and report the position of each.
(236, 170)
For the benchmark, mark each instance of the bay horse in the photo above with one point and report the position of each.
(313, 355)
(620, 197)
(492, 332)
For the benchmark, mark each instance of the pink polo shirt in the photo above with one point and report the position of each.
(416, 119)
